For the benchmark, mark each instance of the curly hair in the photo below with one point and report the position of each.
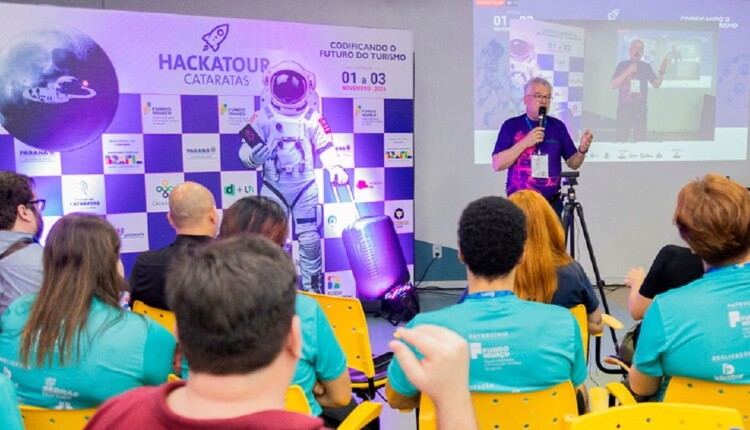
(713, 217)
(15, 190)
(536, 277)
(491, 236)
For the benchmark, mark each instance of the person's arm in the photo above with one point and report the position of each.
(624, 76)
(642, 384)
(595, 323)
(442, 374)
(504, 159)
(657, 80)
(637, 304)
(334, 393)
(575, 160)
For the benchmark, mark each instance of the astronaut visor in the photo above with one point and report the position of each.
(288, 87)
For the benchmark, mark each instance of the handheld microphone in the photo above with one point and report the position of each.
(542, 116)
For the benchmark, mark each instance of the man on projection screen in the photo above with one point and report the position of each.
(632, 78)
(531, 147)
(293, 133)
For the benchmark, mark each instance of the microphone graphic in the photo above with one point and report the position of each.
(542, 116)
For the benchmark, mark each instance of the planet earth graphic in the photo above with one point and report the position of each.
(58, 88)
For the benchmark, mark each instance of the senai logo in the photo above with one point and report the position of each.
(165, 189)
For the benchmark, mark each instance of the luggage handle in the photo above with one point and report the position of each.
(335, 188)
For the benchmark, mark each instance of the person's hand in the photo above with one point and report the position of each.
(635, 277)
(318, 389)
(338, 176)
(259, 154)
(632, 69)
(586, 140)
(443, 373)
(533, 137)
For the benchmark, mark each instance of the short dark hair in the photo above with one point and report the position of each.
(15, 189)
(255, 214)
(491, 236)
(713, 217)
(234, 302)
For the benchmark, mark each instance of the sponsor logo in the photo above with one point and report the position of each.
(333, 282)
(332, 220)
(401, 154)
(727, 369)
(165, 189)
(224, 109)
(364, 185)
(201, 151)
(234, 189)
(34, 152)
(149, 108)
(84, 187)
(398, 213)
(123, 160)
(365, 113)
(126, 235)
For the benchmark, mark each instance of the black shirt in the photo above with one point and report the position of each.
(674, 266)
(148, 274)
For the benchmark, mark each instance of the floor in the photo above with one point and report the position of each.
(381, 332)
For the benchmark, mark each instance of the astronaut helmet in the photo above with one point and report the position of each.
(289, 84)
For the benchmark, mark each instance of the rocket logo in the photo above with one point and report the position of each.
(215, 37)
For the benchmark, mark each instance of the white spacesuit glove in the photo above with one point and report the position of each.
(338, 175)
(257, 156)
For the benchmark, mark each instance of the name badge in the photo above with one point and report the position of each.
(635, 86)
(540, 166)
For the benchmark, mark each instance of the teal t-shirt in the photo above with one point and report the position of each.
(322, 357)
(120, 350)
(514, 345)
(700, 331)
(10, 416)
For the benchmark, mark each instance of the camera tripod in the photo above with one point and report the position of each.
(570, 209)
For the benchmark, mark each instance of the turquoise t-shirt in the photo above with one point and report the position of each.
(322, 357)
(10, 416)
(514, 345)
(119, 350)
(701, 330)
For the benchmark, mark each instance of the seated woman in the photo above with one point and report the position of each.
(321, 371)
(700, 330)
(546, 273)
(71, 346)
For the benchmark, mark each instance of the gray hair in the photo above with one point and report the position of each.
(536, 80)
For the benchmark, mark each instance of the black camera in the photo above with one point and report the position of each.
(570, 178)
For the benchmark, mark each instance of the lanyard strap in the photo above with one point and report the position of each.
(490, 294)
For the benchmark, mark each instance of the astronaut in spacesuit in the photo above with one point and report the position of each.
(294, 133)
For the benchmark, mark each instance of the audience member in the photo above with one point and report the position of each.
(71, 345)
(10, 416)
(321, 371)
(546, 273)
(699, 330)
(673, 267)
(192, 213)
(491, 237)
(442, 373)
(20, 226)
(234, 301)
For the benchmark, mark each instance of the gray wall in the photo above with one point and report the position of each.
(628, 206)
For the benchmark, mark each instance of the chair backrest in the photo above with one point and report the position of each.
(295, 400)
(659, 416)
(347, 318)
(165, 318)
(551, 408)
(695, 391)
(579, 313)
(67, 419)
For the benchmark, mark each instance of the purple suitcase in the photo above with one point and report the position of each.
(374, 254)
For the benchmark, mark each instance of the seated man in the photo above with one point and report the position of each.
(234, 303)
(20, 226)
(700, 330)
(192, 213)
(498, 325)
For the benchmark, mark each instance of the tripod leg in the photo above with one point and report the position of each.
(568, 222)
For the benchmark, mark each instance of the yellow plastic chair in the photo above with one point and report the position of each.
(660, 416)
(165, 318)
(295, 400)
(580, 315)
(709, 393)
(66, 419)
(549, 409)
(347, 318)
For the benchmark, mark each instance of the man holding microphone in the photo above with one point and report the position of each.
(531, 146)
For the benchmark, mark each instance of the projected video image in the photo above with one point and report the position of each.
(652, 83)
